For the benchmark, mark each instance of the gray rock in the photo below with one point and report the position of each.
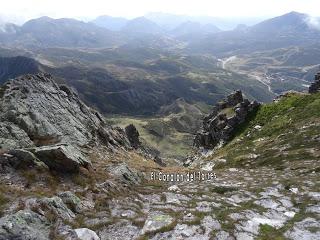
(124, 173)
(301, 230)
(75, 203)
(11, 136)
(222, 235)
(64, 158)
(86, 234)
(209, 223)
(183, 231)
(62, 231)
(24, 159)
(35, 111)
(225, 117)
(119, 231)
(55, 206)
(156, 221)
(24, 225)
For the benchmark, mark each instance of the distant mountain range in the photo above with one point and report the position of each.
(141, 65)
(105, 31)
(291, 29)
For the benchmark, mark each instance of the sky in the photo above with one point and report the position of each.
(18, 11)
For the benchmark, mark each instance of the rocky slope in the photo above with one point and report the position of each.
(49, 119)
(225, 117)
(50, 143)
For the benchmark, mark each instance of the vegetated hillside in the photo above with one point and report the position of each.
(144, 89)
(117, 82)
(171, 131)
(278, 135)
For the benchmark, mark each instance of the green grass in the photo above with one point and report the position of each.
(268, 232)
(289, 129)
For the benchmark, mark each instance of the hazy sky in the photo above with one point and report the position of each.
(21, 10)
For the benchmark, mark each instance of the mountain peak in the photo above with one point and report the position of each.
(291, 20)
(142, 25)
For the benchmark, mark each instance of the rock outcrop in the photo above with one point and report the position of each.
(52, 123)
(24, 225)
(226, 115)
(64, 158)
(315, 86)
(133, 136)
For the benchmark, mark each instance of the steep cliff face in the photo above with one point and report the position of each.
(52, 123)
(226, 115)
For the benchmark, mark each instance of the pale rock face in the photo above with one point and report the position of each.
(86, 234)
(156, 221)
(174, 188)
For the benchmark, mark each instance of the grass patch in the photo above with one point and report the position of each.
(267, 232)
(3, 201)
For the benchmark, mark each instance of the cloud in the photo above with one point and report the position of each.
(313, 22)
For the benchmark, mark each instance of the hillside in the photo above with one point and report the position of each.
(171, 131)
(117, 81)
(280, 69)
(66, 171)
(277, 134)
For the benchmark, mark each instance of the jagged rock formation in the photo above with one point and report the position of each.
(222, 121)
(133, 136)
(315, 86)
(51, 120)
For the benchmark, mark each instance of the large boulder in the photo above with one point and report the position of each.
(125, 174)
(53, 207)
(64, 158)
(220, 124)
(22, 158)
